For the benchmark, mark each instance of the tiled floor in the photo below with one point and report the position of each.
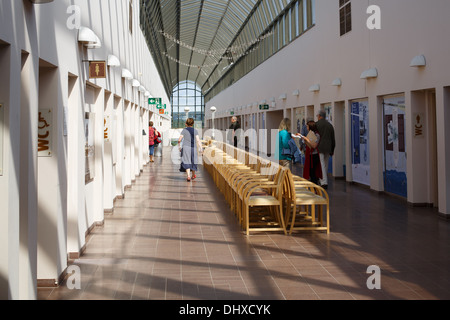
(172, 240)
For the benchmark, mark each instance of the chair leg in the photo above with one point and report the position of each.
(294, 214)
(288, 212)
(281, 218)
(247, 219)
(328, 219)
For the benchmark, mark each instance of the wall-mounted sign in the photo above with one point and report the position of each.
(2, 125)
(107, 128)
(45, 135)
(160, 106)
(89, 130)
(419, 129)
(97, 69)
(264, 107)
(161, 111)
(155, 101)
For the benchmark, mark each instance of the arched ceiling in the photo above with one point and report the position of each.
(199, 40)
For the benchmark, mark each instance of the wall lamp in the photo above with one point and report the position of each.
(337, 82)
(314, 88)
(127, 74)
(89, 38)
(113, 61)
(418, 61)
(370, 73)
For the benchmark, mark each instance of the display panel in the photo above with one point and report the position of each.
(394, 146)
(360, 142)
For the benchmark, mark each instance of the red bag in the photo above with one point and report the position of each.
(158, 139)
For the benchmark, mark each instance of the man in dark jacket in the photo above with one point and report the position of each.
(326, 146)
(235, 126)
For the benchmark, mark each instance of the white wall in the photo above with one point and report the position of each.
(408, 28)
(42, 65)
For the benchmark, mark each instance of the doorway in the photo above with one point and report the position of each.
(394, 175)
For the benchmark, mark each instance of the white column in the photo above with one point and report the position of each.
(28, 176)
(119, 145)
(99, 154)
(9, 179)
(76, 160)
(52, 183)
(127, 151)
(376, 143)
(443, 150)
(108, 185)
(348, 141)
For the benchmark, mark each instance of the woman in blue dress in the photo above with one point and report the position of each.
(190, 146)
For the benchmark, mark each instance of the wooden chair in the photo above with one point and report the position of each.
(301, 199)
(267, 175)
(274, 200)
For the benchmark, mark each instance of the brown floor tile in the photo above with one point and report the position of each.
(181, 241)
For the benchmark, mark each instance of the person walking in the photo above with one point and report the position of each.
(152, 134)
(190, 145)
(284, 136)
(326, 146)
(312, 169)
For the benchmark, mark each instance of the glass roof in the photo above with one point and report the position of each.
(197, 39)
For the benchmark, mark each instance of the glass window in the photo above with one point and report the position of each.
(187, 95)
(300, 17)
(345, 16)
(284, 19)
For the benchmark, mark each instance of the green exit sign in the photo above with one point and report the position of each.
(263, 107)
(155, 101)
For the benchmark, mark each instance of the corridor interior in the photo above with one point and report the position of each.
(169, 239)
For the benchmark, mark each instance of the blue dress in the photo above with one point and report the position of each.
(189, 154)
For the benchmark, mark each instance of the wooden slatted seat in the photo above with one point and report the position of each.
(305, 196)
(263, 195)
(274, 220)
